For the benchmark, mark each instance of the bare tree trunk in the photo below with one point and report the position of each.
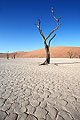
(47, 61)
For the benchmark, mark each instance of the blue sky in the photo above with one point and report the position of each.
(17, 19)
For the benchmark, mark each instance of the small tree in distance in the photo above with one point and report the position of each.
(47, 61)
(7, 55)
(70, 54)
(14, 55)
(79, 56)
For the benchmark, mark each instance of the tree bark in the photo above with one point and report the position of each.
(47, 61)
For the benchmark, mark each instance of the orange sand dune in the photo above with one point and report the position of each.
(55, 52)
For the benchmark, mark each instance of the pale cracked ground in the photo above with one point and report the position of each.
(32, 92)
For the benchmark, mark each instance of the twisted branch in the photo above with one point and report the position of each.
(50, 40)
(51, 31)
(57, 24)
(40, 29)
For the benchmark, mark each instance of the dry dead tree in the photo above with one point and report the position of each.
(7, 55)
(14, 55)
(79, 56)
(74, 55)
(70, 54)
(47, 61)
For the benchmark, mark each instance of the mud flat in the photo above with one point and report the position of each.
(32, 92)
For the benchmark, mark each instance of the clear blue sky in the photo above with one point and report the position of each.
(17, 19)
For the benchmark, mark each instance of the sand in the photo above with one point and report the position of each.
(32, 92)
(55, 52)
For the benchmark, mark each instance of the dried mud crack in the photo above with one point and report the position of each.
(32, 92)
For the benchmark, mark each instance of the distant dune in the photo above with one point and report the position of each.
(55, 52)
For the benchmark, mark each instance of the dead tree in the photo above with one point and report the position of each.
(79, 56)
(70, 54)
(47, 61)
(7, 55)
(14, 55)
(74, 55)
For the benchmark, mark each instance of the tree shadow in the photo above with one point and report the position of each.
(65, 63)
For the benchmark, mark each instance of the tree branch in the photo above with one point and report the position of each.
(50, 40)
(57, 25)
(40, 29)
(51, 31)
(41, 34)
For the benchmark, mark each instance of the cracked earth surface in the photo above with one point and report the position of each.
(32, 92)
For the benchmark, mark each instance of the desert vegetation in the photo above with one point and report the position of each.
(47, 61)
(70, 54)
(79, 56)
(14, 55)
(7, 55)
